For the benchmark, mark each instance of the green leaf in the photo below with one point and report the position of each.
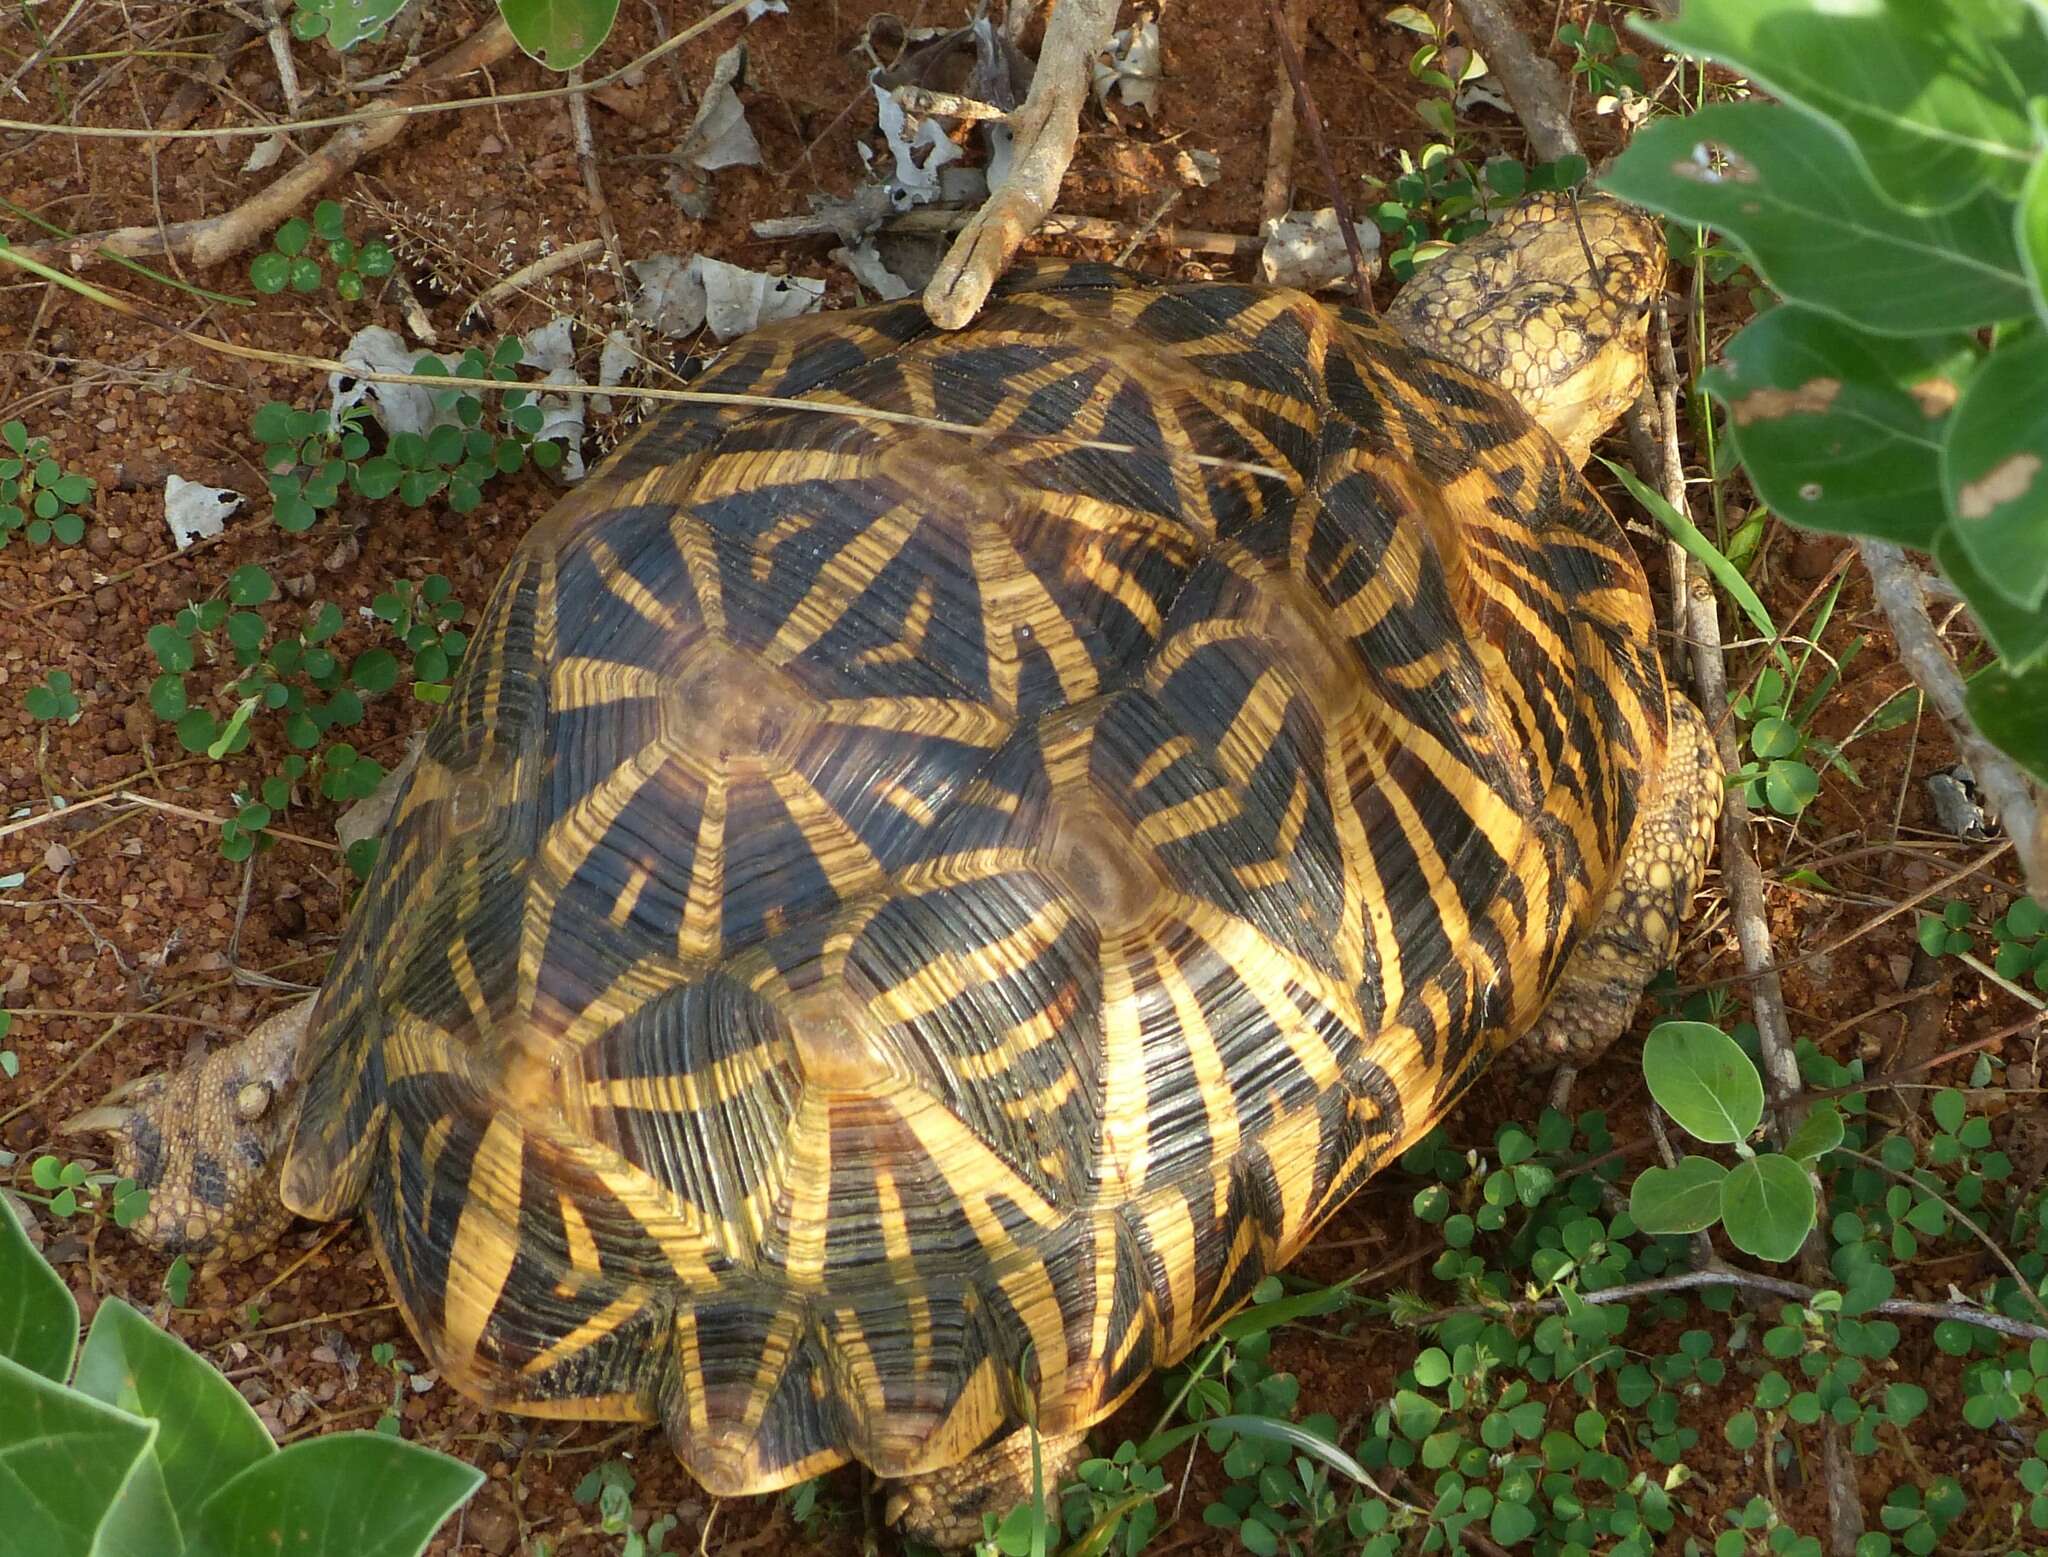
(251, 585)
(1704, 551)
(206, 1433)
(1995, 472)
(327, 220)
(2030, 232)
(342, 1495)
(2012, 712)
(270, 272)
(561, 34)
(1767, 1206)
(172, 648)
(1842, 430)
(195, 730)
(65, 1461)
(1819, 1133)
(374, 670)
(1931, 95)
(1702, 1079)
(1681, 1199)
(38, 1318)
(2020, 636)
(1791, 192)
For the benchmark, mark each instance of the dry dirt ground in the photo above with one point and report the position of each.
(118, 951)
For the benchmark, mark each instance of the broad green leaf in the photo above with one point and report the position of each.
(64, 1460)
(1767, 1206)
(1791, 192)
(2030, 230)
(2012, 712)
(1702, 1079)
(2020, 636)
(1841, 430)
(1819, 1133)
(140, 1519)
(38, 1318)
(1932, 93)
(342, 1495)
(561, 34)
(1995, 471)
(350, 22)
(1684, 1199)
(206, 1432)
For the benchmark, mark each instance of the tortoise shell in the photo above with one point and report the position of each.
(927, 889)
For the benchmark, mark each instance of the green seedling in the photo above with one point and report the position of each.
(38, 497)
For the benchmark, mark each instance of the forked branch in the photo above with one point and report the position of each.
(1045, 130)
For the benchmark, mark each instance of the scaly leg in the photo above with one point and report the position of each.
(203, 1141)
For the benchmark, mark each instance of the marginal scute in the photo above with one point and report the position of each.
(903, 925)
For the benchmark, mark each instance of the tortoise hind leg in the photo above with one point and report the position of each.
(204, 1140)
(1603, 980)
(944, 1507)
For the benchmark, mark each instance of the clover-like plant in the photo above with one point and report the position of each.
(38, 496)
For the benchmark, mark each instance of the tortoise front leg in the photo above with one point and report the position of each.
(204, 1140)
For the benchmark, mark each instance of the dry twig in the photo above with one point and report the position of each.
(1304, 101)
(208, 241)
(1092, 229)
(1532, 83)
(1045, 127)
(1732, 1276)
(1897, 587)
(1273, 198)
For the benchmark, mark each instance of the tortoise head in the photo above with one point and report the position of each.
(1552, 303)
(204, 1141)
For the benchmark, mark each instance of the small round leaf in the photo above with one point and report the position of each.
(1702, 1079)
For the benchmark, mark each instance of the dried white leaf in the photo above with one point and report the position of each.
(1198, 169)
(720, 137)
(756, 9)
(267, 151)
(918, 156)
(1306, 250)
(1484, 92)
(401, 408)
(670, 299)
(552, 346)
(678, 296)
(870, 272)
(737, 301)
(195, 512)
(561, 420)
(1133, 69)
(614, 362)
(59, 859)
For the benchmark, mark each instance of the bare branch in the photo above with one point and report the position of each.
(1532, 83)
(1731, 1276)
(1045, 127)
(1899, 590)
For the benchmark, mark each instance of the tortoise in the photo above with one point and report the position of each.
(926, 889)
